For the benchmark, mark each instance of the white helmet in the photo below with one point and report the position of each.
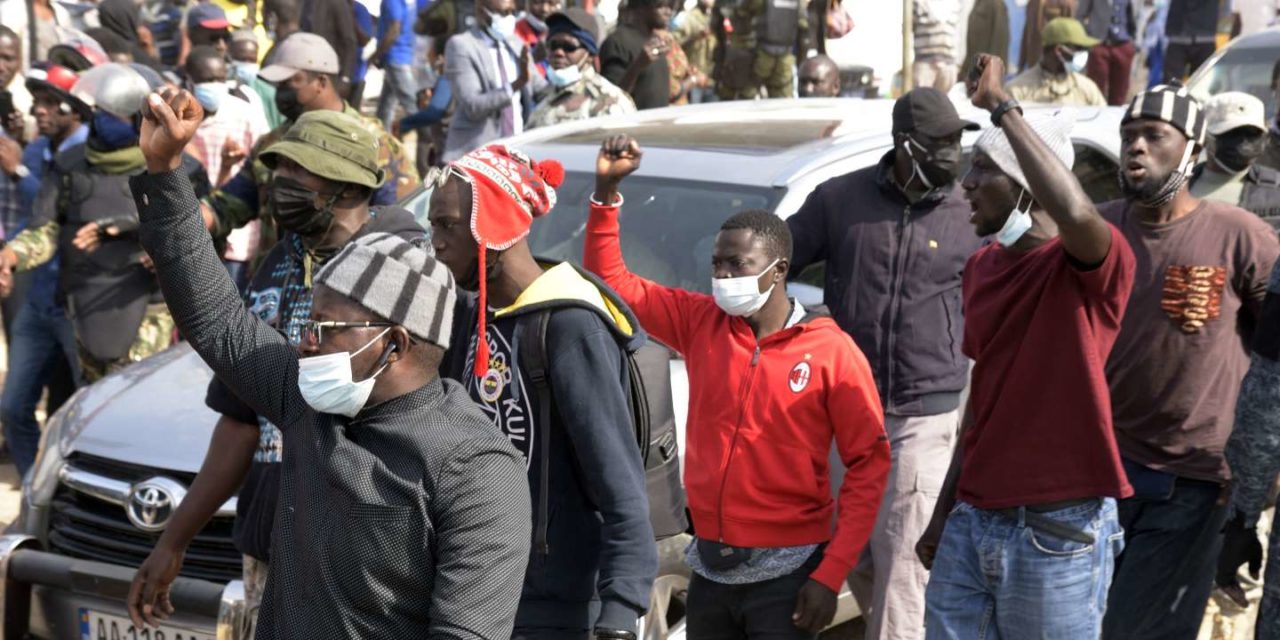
(114, 88)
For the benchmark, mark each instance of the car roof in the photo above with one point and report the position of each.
(1268, 38)
(758, 143)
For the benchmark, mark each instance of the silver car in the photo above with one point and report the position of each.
(116, 461)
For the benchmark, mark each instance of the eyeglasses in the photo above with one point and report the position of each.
(563, 46)
(313, 330)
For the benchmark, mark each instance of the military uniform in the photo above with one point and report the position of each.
(735, 79)
(590, 97)
(245, 197)
(113, 302)
(1253, 451)
(777, 25)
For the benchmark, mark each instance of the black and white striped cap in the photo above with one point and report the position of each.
(1173, 104)
(397, 280)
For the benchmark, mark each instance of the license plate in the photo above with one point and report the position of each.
(95, 625)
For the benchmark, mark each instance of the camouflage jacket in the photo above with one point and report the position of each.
(1253, 451)
(592, 96)
(245, 196)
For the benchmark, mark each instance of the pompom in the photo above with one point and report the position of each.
(551, 172)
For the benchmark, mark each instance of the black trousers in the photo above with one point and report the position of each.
(1182, 59)
(758, 611)
(1165, 574)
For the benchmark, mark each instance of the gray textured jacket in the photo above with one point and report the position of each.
(410, 520)
(479, 96)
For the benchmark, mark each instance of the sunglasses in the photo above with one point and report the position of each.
(312, 331)
(562, 46)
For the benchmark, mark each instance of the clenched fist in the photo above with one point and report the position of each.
(169, 121)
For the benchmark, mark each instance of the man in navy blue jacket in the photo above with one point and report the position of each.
(592, 535)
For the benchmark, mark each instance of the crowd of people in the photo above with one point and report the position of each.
(430, 434)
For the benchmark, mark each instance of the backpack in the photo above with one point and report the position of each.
(652, 419)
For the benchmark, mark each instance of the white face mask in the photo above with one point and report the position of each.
(1077, 62)
(1016, 225)
(326, 385)
(504, 26)
(741, 296)
(565, 77)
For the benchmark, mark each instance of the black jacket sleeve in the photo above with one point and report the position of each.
(586, 369)
(808, 233)
(254, 360)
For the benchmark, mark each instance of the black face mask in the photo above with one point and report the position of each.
(301, 210)
(939, 166)
(1236, 150)
(287, 102)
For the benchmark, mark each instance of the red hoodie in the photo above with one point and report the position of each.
(762, 417)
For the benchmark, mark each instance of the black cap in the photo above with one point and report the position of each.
(930, 112)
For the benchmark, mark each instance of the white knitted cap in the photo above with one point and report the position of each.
(1054, 130)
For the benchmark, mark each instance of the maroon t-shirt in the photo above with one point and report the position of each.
(1039, 330)
(1184, 349)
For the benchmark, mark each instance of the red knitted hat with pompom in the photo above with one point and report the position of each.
(508, 190)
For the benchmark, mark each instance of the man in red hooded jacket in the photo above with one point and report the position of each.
(770, 387)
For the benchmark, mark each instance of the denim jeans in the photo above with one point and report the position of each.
(398, 87)
(1165, 575)
(996, 577)
(41, 342)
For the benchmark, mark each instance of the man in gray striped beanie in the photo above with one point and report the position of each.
(1140, 179)
(397, 281)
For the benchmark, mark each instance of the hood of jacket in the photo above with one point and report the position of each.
(567, 285)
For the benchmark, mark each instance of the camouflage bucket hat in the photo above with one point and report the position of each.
(333, 145)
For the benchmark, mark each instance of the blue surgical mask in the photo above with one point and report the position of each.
(326, 385)
(503, 26)
(245, 71)
(565, 77)
(1016, 225)
(210, 95)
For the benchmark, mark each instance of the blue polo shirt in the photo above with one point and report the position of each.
(401, 52)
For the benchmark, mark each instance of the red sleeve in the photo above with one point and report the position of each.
(667, 313)
(853, 407)
(1110, 283)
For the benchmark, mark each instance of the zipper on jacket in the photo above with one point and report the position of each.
(895, 305)
(733, 444)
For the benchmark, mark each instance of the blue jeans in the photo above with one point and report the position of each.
(40, 339)
(995, 577)
(398, 87)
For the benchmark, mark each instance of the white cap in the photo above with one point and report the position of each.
(301, 51)
(1234, 109)
(1054, 130)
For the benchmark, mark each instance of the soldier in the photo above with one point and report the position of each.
(781, 28)
(579, 91)
(1253, 453)
(84, 212)
(305, 69)
(734, 75)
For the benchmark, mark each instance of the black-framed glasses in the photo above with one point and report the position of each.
(563, 46)
(313, 330)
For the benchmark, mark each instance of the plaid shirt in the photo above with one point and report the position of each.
(235, 120)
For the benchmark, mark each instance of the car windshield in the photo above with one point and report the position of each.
(668, 226)
(1246, 69)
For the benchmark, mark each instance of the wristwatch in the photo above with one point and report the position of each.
(21, 172)
(1005, 107)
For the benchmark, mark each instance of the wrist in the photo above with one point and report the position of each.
(159, 166)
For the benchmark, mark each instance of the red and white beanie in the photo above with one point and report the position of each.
(508, 190)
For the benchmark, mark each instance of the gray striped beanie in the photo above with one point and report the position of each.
(1172, 104)
(397, 280)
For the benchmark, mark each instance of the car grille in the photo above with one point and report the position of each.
(83, 526)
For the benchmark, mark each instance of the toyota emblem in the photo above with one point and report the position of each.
(152, 502)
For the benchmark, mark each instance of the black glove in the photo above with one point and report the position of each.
(1240, 544)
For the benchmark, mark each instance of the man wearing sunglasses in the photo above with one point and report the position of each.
(319, 159)
(403, 511)
(893, 283)
(579, 91)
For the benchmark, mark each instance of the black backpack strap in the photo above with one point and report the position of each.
(533, 356)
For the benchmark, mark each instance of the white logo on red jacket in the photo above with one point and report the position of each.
(798, 379)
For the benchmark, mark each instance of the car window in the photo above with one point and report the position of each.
(1240, 69)
(1097, 173)
(668, 225)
